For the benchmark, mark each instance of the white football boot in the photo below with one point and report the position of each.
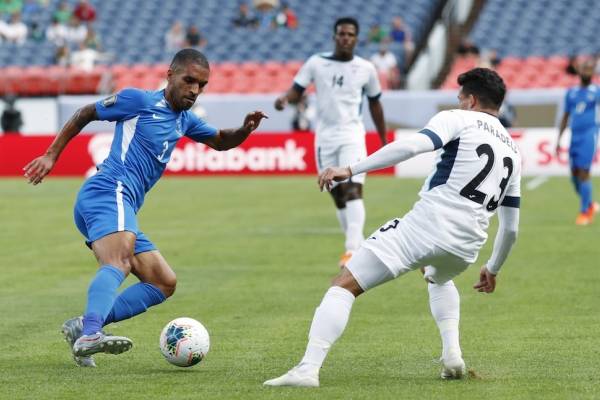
(453, 366)
(298, 376)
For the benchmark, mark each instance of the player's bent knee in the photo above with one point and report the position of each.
(347, 281)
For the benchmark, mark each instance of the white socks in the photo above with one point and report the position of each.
(341, 216)
(444, 302)
(355, 222)
(327, 326)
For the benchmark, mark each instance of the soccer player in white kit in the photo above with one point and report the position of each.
(477, 173)
(341, 80)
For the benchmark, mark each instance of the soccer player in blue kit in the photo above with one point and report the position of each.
(582, 107)
(149, 124)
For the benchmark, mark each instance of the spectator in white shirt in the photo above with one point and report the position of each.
(76, 31)
(15, 31)
(387, 66)
(56, 33)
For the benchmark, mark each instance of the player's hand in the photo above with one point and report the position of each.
(487, 281)
(281, 102)
(37, 169)
(253, 119)
(329, 175)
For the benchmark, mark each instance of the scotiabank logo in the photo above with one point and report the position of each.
(197, 157)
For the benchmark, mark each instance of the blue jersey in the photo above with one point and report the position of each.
(583, 105)
(146, 132)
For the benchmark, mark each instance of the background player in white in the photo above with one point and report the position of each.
(341, 80)
(478, 172)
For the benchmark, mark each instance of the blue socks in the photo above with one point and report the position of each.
(585, 191)
(101, 296)
(133, 301)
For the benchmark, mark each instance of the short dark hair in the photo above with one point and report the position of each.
(485, 84)
(186, 56)
(346, 20)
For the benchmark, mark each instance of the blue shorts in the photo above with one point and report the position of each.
(583, 148)
(104, 206)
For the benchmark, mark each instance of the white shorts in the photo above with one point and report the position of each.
(401, 249)
(341, 156)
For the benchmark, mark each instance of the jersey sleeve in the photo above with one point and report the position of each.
(122, 105)
(197, 129)
(305, 75)
(373, 87)
(442, 128)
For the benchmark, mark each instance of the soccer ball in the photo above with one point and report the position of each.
(184, 342)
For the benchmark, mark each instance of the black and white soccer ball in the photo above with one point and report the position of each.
(184, 342)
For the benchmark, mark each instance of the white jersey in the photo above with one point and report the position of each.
(340, 87)
(478, 169)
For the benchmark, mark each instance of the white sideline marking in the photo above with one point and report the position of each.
(536, 182)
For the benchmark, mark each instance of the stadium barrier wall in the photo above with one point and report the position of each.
(403, 109)
(537, 146)
(273, 154)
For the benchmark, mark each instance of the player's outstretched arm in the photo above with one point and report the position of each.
(506, 237)
(388, 155)
(227, 139)
(38, 168)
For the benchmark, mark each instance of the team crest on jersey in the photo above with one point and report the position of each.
(109, 101)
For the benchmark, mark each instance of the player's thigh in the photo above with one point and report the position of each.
(115, 249)
(367, 270)
(102, 208)
(402, 248)
(443, 266)
(151, 267)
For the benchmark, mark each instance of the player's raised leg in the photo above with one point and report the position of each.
(114, 253)
(157, 283)
(331, 317)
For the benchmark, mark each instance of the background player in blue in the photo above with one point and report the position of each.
(582, 106)
(149, 123)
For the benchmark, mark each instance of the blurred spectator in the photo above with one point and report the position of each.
(76, 31)
(193, 38)
(31, 9)
(466, 48)
(56, 32)
(92, 41)
(9, 7)
(400, 34)
(36, 33)
(377, 34)
(245, 18)
(86, 58)
(85, 11)
(489, 59)
(62, 56)
(11, 120)
(266, 12)
(175, 37)
(15, 31)
(386, 64)
(286, 18)
(63, 14)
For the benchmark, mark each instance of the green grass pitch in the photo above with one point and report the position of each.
(254, 257)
